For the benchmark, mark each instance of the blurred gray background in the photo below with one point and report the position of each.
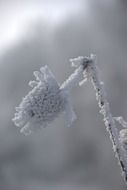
(38, 32)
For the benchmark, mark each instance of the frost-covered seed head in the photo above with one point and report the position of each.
(47, 99)
(42, 104)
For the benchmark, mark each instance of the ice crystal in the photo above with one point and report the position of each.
(121, 121)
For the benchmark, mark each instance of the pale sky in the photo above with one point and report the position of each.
(15, 14)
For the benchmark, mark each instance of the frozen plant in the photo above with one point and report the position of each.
(48, 99)
(42, 104)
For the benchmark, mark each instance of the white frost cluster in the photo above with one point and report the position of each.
(123, 138)
(42, 104)
(123, 132)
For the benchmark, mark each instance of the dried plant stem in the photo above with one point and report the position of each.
(87, 66)
(108, 118)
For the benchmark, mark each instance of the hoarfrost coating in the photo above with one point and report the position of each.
(42, 104)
